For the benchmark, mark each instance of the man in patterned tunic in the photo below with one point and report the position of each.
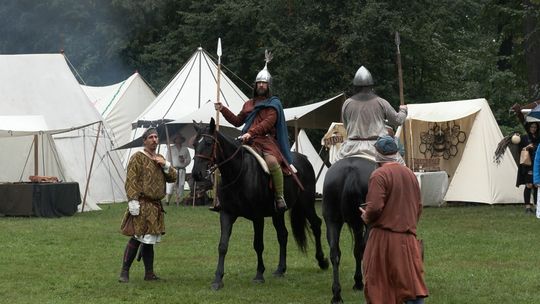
(147, 173)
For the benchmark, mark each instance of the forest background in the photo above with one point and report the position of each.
(450, 49)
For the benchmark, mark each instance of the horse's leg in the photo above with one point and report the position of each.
(315, 223)
(258, 245)
(333, 231)
(282, 236)
(359, 246)
(226, 221)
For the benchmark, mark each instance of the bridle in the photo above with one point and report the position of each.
(212, 158)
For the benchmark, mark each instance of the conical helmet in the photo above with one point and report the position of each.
(362, 78)
(264, 75)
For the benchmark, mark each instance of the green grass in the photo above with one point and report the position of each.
(476, 254)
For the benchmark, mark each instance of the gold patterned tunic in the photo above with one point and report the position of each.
(145, 182)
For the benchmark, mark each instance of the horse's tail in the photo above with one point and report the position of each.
(298, 216)
(352, 195)
(300, 210)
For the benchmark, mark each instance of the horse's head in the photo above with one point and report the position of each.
(205, 145)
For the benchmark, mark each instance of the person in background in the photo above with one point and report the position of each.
(391, 132)
(180, 160)
(392, 262)
(525, 176)
(529, 142)
(147, 173)
(364, 115)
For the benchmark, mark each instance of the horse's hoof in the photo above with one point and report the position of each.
(216, 286)
(258, 279)
(336, 301)
(278, 274)
(358, 287)
(323, 264)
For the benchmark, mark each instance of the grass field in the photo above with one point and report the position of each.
(474, 254)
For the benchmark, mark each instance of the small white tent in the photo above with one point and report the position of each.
(43, 85)
(121, 103)
(305, 147)
(462, 136)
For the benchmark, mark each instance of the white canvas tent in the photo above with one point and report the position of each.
(121, 103)
(305, 147)
(463, 135)
(192, 87)
(189, 96)
(42, 85)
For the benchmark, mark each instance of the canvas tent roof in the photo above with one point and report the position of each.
(20, 125)
(192, 87)
(121, 103)
(318, 115)
(190, 96)
(305, 147)
(42, 85)
(474, 177)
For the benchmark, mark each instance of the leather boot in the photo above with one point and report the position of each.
(281, 206)
(124, 276)
(216, 207)
(129, 255)
(148, 260)
(150, 276)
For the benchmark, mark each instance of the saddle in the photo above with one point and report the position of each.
(264, 166)
(259, 158)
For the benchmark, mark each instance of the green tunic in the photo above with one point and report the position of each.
(145, 182)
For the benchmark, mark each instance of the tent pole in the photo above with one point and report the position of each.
(91, 165)
(36, 158)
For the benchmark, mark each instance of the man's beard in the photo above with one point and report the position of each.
(261, 92)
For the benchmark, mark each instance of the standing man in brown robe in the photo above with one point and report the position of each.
(392, 262)
(147, 173)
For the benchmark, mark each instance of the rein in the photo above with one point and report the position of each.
(213, 158)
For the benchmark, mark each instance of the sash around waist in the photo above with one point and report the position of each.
(363, 138)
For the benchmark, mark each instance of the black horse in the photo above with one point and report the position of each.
(345, 189)
(244, 191)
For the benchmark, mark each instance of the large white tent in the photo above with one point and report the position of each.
(41, 99)
(305, 147)
(190, 96)
(463, 136)
(191, 88)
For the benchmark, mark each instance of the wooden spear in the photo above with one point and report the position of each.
(401, 97)
(216, 173)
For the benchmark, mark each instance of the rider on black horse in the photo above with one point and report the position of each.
(265, 130)
(364, 115)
